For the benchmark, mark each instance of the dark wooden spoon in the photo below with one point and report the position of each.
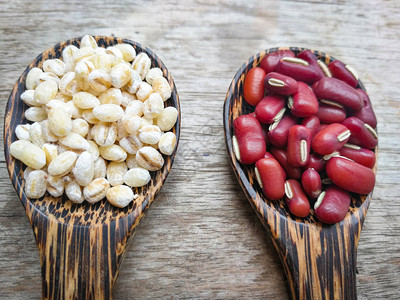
(81, 246)
(319, 260)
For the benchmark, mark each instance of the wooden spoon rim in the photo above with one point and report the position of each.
(262, 206)
(147, 194)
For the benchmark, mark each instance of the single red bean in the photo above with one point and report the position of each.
(343, 72)
(298, 146)
(253, 90)
(303, 103)
(308, 56)
(360, 155)
(330, 139)
(250, 139)
(338, 92)
(361, 133)
(312, 59)
(311, 183)
(350, 175)
(299, 70)
(281, 156)
(279, 131)
(312, 123)
(271, 177)
(280, 84)
(366, 113)
(316, 162)
(269, 62)
(296, 199)
(330, 114)
(332, 205)
(271, 108)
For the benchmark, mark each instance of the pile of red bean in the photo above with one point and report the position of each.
(311, 136)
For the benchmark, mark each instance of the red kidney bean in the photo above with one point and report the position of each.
(298, 146)
(269, 62)
(253, 89)
(360, 155)
(300, 70)
(350, 175)
(303, 103)
(279, 131)
(280, 84)
(361, 134)
(312, 59)
(337, 91)
(270, 109)
(308, 56)
(332, 205)
(366, 113)
(250, 139)
(343, 72)
(296, 199)
(330, 114)
(281, 156)
(312, 123)
(271, 177)
(330, 139)
(316, 162)
(311, 183)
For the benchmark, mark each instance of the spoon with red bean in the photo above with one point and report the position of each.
(301, 139)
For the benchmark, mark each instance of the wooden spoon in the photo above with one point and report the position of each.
(319, 260)
(81, 246)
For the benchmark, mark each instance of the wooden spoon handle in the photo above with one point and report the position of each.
(79, 262)
(319, 262)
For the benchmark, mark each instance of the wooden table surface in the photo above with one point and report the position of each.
(201, 239)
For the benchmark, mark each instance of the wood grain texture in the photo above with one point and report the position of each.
(319, 260)
(201, 238)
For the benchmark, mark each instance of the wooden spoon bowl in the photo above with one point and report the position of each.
(319, 260)
(81, 246)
